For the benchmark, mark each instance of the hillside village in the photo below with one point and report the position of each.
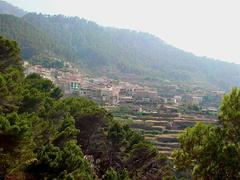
(159, 118)
(113, 92)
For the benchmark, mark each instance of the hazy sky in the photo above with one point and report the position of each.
(205, 27)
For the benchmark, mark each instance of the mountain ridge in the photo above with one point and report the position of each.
(113, 51)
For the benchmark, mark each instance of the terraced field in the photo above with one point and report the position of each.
(163, 130)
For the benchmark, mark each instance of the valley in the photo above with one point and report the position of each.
(84, 101)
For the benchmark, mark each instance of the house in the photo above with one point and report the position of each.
(91, 92)
(110, 95)
(193, 100)
(167, 109)
(74, 86)
(196, 100)
(126, 99)
(145, 96)
(177, 99)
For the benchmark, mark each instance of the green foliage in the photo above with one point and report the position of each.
(31, 140)
(229, 114)
(145, 158)
(38, 94)
(13, 126)
(15, 130)
(88, 118)
(16, 144)
(211, 151)
(111, 174)
(61, 163)
(9, 55)
(132, 152)
(122, 110)
(10, 76)
(46, 61)
(36, 44)
(56, 93)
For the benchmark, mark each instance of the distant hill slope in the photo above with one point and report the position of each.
(32, 40)
(112, 51)
(6, 8)
(125, 51)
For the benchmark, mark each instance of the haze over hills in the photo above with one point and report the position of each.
(112, 51)
(6, 8)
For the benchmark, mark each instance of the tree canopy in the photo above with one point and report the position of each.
(213, 151)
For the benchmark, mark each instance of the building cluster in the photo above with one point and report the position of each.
(101, 89)
(112, 92)
(47, 73)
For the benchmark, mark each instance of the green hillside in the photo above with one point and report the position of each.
(113, 52)
(35, 43)
(125, 51)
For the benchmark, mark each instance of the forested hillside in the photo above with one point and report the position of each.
(126, 51)
(112, 51)
(44, 136)
(35, 43)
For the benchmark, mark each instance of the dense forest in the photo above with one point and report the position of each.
(111, 51)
